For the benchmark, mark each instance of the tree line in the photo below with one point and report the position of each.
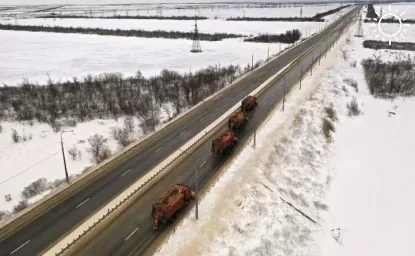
(288, 37)
(119, 32)
(316, 18)
(371, 13)
(292, 19)
(391, 20)
(329, 12)
(133, 17)
(375, 44)
(111, 95)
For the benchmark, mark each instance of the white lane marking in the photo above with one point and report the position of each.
(79, 205)
(265, 103)
(202, 164)
(201, 119)
(182, 133)
(157, 150)
(132, 233)
(126, 172)
(19, 247)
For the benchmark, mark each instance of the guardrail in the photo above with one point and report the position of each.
(203, 135)
(232, 160)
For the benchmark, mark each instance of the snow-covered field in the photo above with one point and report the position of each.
(219, 11)
(204, 26)
(357, 188)
(63, 56)
(407, 9)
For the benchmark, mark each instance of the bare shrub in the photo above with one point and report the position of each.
(122, 136)
(98, 148)
(20, 206)
(8, 197)
(57, 183)
(70, 122)
(353, 107)
(321, 206)
(331, 113)
(353, 83)
(4, 214)
(353, 64)
(129, 124)
(73, 152)
(35, 188)
(328, 129)
(390, 79)
(56, 125)
(15, 136)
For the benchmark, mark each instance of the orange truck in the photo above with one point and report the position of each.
(249, 103)
(166, 208)
(222, 144)
(237, 119)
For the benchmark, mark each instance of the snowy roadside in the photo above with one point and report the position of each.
(356, 187)
(239, 215)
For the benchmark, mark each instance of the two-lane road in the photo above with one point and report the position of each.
(48, 228)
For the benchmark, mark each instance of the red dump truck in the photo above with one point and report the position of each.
(237, 119)
(222, 144)
(166, 207)
(249, 103)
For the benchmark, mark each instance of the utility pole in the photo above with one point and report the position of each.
(301, 74)
(312, 62)
(252, 60)
(63, 155)
(319, 57)
(283, 99)
(197, 193)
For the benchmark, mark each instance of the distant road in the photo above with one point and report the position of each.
(47, 229)
(132, 233)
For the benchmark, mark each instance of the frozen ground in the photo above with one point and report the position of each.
(63, 56)
(360, 183)
(220, 11)
(205, 26)
(397, 8)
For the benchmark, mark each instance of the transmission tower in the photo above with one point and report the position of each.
(380, 13)
(196, 42)
(301, 11)
(359, 32)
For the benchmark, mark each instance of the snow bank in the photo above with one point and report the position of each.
(240, 215)
(373, 166)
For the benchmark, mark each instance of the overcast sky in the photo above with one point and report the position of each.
(19, 2)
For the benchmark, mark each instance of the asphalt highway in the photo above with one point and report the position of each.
(132, 233)
(50, 227)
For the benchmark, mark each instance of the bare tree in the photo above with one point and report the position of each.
(73, 152)
(129, 123)
(149, 114)
(122, 136)
(15, 136)
(98, 148)
(20, 206)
